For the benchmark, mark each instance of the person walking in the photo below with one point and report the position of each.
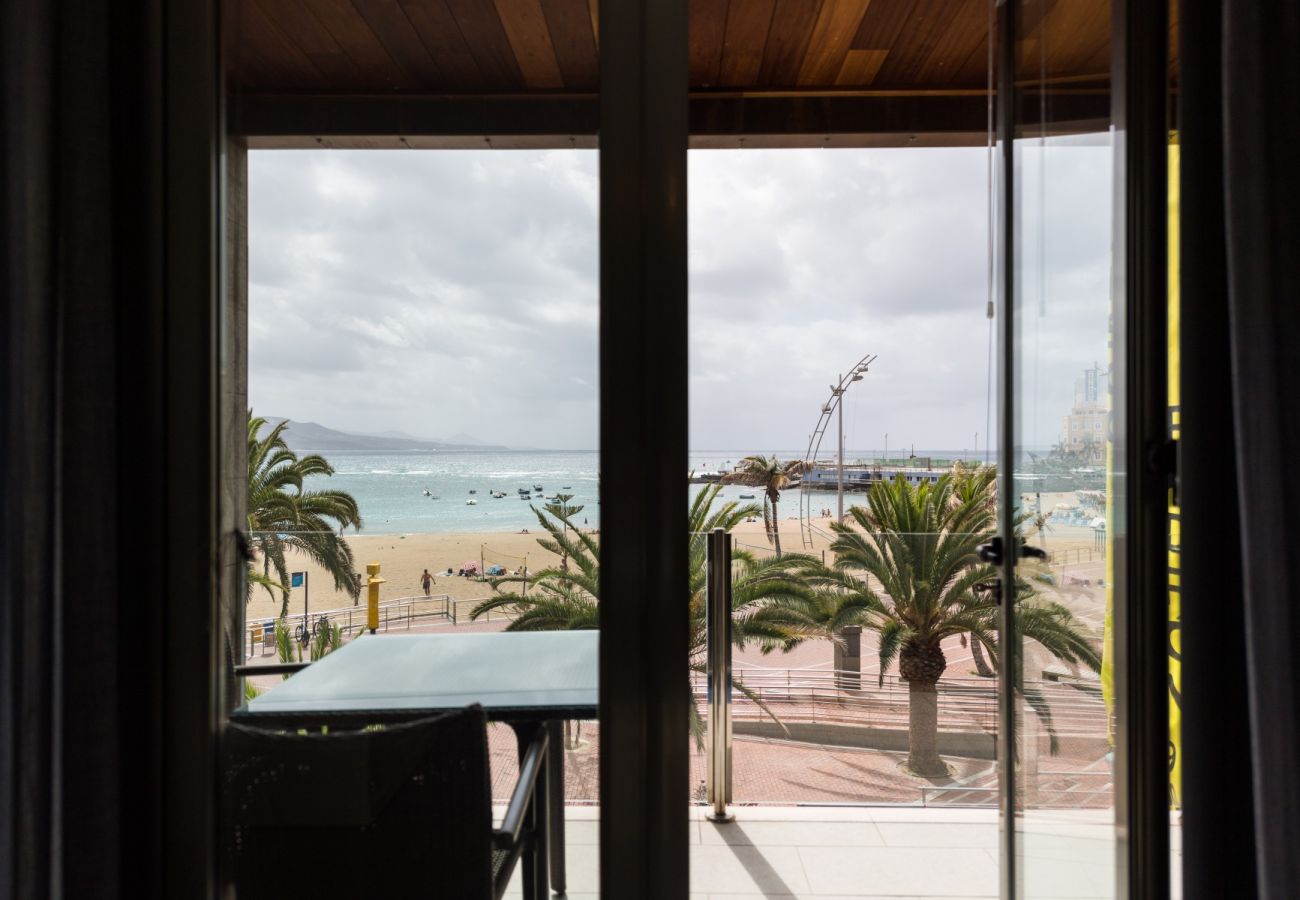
(426, 580)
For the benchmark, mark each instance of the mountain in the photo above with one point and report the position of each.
(309, 437)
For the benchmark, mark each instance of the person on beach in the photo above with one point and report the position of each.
(426, 580)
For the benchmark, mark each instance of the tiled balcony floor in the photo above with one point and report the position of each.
(865, 853)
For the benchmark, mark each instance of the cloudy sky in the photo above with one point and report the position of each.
(455, 293)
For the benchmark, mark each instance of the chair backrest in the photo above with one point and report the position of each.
(400, 811)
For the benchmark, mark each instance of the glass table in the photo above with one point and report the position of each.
(528, 680)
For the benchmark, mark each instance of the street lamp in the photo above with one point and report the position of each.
(837, 399)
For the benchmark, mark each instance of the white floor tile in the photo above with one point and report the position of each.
(747, 869)
(787, 834)
(900, 871)
(939, 835)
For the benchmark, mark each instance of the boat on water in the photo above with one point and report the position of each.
(538, 488)
(471, 502)
(428, 493)
(567, 487)
(747, 497)
(497, 495)
(473, 491)
(525, 496)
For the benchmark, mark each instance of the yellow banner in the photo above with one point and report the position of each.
(1175, 537)
(1174, 641)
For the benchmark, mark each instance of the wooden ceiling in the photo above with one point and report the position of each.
(474, 50)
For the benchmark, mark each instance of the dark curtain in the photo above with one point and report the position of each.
(98, 796)
(1240, 279)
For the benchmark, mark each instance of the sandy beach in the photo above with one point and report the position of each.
(404, 557)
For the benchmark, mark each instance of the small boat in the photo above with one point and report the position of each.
(473, 492)
(471, 502)
(538, 488)
(523, 490)
(428, 493)
(567, 487)
(525, 496)
(497, 495)
(747, 497)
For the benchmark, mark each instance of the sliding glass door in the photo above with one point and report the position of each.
(1063, 491)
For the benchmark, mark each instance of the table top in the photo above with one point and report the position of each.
(544, 674)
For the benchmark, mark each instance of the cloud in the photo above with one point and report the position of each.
(457, 291)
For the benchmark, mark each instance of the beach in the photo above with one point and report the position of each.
(404, 557)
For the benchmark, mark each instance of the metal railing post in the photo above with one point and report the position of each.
(718, 612)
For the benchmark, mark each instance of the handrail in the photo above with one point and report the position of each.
(802, 695)
(397, 610)
(512, 824)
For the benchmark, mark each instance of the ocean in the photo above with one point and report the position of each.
(390, 488)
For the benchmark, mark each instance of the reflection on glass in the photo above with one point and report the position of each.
(1065, 475)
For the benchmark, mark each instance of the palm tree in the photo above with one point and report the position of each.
(1042, 524)
(283, 517)
(919, 544)
(770, 600)
(773, 476)
(564, 511)
(970, 488)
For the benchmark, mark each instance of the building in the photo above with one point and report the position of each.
(1084, 429)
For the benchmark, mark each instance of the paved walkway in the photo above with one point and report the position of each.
(787, 772)
(871, 853)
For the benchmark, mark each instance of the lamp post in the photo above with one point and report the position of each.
(837, 398)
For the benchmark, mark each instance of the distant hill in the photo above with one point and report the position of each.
(309, 437)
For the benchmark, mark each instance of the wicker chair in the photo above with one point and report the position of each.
(402, 811)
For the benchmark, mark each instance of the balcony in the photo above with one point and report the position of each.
(802, 852)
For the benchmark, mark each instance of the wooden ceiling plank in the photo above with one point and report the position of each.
(787, 41)
(881, 23)
(922, 30)
(748, 22)
(438, 31)
(1077, 36)
(831, 38)
(965, 33)
(319, 46)
(708, 25)
(574, 42)
(860, 67)
(530, 40)
(486, 36)
(398, 36)
(278, 54)
(378, 70)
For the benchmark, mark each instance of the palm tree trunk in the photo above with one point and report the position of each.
(776, 530)
(981, 664)
(923, 730)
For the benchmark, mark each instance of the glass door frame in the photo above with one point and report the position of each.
(1144, 459)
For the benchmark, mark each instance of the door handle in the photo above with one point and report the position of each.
(992, 551)
(992, 588)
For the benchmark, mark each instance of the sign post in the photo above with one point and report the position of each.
(299, 579)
